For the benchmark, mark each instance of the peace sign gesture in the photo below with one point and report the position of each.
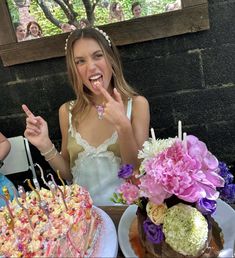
(114, 110)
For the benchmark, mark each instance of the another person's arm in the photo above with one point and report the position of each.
(5, 147)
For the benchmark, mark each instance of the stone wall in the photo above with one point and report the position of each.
(188, 77)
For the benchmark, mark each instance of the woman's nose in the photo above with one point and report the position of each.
(91, 65)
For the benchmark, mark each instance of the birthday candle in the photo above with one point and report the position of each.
(33, 189)
(44, 207)
(22, 206)
(52, 185)
(9, 220)
(180, 130)
(7, 205)
(63, 197)
(36, 183)
(42, 176)
(22, 192)
(6, 193)
(61, 180)
(153, 134)
(53, 180)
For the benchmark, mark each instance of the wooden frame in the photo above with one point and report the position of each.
(191, 18)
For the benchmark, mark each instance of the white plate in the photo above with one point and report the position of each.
(225, 216)
(107, 243)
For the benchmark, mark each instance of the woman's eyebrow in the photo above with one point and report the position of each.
(94, 53)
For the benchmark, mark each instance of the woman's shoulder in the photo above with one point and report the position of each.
(67, 106)
(139, 100)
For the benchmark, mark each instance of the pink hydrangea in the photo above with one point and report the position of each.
(130, 192)
(189, 174)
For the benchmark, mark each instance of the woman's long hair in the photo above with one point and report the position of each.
(83, 94)
(114, 15)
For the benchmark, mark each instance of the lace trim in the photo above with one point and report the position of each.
(102, 147)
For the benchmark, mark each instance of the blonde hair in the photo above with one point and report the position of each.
(113, 14)
(83, 94)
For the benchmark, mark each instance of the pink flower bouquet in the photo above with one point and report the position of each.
(178, 184)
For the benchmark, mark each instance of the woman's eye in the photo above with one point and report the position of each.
(99, 55)
(77, 62)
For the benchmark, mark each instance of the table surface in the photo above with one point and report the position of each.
(115, 213)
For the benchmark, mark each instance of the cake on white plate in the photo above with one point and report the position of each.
(44, 223)
(176, 189)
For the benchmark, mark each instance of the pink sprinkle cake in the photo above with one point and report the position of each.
(47, 226)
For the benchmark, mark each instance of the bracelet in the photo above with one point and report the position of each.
(47, 152)
(52, 157)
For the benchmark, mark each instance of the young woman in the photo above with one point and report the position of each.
(34, 31)
(104, 127)
(136, 9)
(115, 12)
(20, 31)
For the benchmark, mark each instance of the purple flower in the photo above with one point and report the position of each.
(153, 232)
(228, 193)
(125, 171)
(206, 206)
(225, 173)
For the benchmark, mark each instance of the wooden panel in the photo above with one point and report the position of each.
(187, 3)
(33, 50)
(7, 34)
(160, 26)
(190, 19)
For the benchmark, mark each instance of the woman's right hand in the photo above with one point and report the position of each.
(36, 131)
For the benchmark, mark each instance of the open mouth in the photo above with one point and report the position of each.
(96, 80)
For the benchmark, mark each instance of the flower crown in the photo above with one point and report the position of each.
(105, 35)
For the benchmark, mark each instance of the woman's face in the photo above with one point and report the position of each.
(91, 64)
(34, 30)
(137, 11)
(82, 25)
(118, 8)
(20, 32)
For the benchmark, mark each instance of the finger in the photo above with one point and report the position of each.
(27, 111)
(33, 127)
(104, 92)
(33, 120)
(29, 132)
(117, 96)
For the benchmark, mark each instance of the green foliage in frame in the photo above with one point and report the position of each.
(101, 12)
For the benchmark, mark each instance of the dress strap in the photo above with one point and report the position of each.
(71, 103)
(129, 108)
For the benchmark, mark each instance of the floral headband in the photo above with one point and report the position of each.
(99, 30)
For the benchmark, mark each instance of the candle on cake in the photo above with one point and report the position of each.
(153, 134)
(180, 130)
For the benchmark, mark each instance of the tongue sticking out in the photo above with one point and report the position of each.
(96, 83)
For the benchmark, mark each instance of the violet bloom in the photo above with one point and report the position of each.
(153, 232)
(225, 173)
(206, 206)
(228, 193)
(125, 171)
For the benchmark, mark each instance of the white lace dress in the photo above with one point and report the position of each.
(96, 167)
